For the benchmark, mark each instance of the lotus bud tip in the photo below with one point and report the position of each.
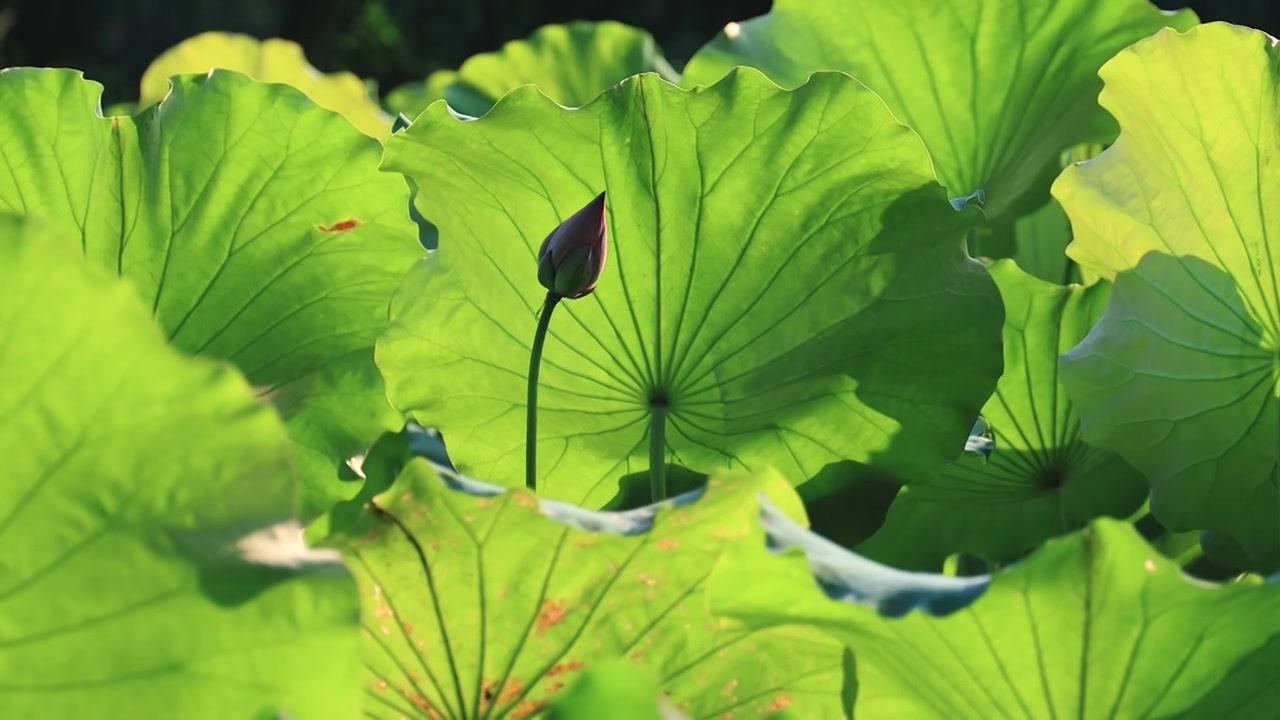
(572, 257)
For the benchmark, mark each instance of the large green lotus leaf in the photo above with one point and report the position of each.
(784, 275)
(273, 60)
(1040, 480)
(1093, 625)
(1180, 375)
(149, 568)
(996, 88)
(571, 64)
(255, 224)
(481, 602)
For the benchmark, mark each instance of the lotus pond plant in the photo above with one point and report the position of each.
(931, 373)
(570, 262)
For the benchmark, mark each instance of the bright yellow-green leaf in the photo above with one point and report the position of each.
(256, 225)
(1180, 375)
(149, 567)
(570, 63)
(1093, 625)
(996, 88)
(273, 60)
(484, 602)
(785, 277)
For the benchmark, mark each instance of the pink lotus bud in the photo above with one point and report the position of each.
(572, 257)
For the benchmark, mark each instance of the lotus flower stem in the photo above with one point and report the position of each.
(535, 363)
(658, 450)
(570, 261)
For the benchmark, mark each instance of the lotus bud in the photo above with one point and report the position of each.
(572, 257)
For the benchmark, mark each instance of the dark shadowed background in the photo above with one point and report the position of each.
(390, 41)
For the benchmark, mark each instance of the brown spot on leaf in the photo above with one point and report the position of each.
(423, 704)
(584, 544)
(668, 544)
(408, 628)
(779, 703)
(526, 500)
(511, 690)
(648, 579)
(486, 695)
(552, 614)
(527, 708)
(729, 687)
(490, 697)
(340, 226)
(564, 667)
(380, 685)
(554, 687)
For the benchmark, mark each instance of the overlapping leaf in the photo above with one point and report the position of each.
(255, 224)
(995, 88)
(485, 603)
(1180, 374)
(1039, 242)
(273, 60)
(571, 64)
(1037, 237)
(784, 275)
(1039, 480)
(145, 571)
(1094, 625)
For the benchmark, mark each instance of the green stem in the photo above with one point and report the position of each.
(658, 451)
(535, 363)
(974, 243)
